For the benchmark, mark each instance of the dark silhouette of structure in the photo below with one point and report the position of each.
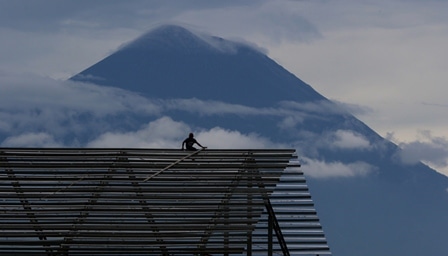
(155, 202)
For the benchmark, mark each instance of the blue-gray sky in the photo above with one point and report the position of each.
(385, 58)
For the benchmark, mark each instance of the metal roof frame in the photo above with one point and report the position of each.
(89, 201)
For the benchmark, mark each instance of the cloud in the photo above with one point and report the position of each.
(318, 107)
(50, 16)
(320, 169)
(340, 140)
(209, 107)
(161, 133)
(273, 21)
(26, 92)
(204, 107)
(167, 133)
(40, 139)
(290, 122)
(346, 139)
(353, 109)
(221, 138)
(29, 103)
(310, 144)
(291, 112)
(84, 32)
(427, 149)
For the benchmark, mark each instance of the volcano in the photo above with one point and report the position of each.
(371, 204)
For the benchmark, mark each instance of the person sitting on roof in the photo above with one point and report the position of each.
(190, 141)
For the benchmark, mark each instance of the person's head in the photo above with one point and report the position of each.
(191, 135)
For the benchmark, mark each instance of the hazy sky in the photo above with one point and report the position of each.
(386, 58)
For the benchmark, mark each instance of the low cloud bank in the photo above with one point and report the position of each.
(427, 148)
(168, 133)
(38, 112)
(25, 92)
(30, 103)
(39, 139)
(321, 169)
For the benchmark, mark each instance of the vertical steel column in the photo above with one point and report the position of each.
(270, 209)
(226, 233)
(249, 211)
(270, 235)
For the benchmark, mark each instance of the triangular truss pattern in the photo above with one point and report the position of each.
(155, 202)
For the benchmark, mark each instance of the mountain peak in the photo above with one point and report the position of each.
(171, 38)
(173, 62)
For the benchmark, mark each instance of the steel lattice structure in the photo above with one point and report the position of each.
(59, 201)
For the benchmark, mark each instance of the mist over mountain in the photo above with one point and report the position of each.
(369, 202)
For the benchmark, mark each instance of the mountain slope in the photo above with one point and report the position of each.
(383, 208)
(197, 68)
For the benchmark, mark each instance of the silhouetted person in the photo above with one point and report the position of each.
(189, 142)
